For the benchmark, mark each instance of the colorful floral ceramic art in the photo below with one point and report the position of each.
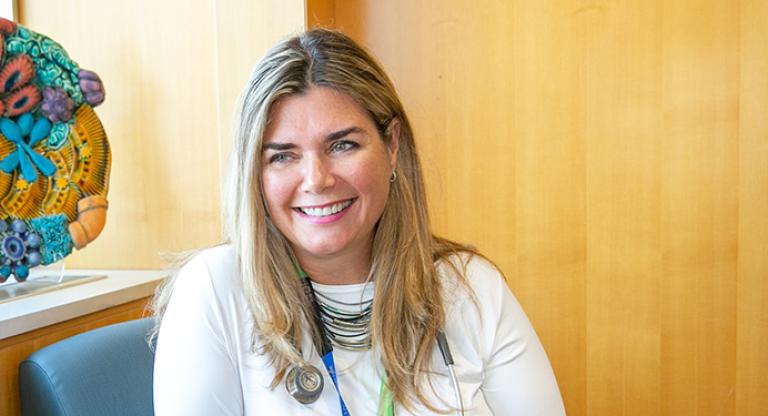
(54, 154)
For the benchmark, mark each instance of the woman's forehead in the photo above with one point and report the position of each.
(316, 112)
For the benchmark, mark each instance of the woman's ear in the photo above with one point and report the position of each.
(394, 141)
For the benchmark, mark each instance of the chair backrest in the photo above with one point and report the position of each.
(106, 371)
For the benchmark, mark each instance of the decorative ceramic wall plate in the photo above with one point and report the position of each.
(54, 154)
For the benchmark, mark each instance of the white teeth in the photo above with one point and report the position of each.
(324, 212)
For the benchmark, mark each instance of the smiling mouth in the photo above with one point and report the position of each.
(327, 210)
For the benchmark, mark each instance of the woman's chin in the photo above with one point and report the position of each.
(332, 247)
(320, 251)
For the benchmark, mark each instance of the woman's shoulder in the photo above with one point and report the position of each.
(220, 257)
(468, 278)
(213, 267)
(206, 286)
(473, 268)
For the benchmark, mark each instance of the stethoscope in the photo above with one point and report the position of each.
(305, 383)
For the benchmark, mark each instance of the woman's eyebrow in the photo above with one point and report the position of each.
(277, 146)
(341, 133)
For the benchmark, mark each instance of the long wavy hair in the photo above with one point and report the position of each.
(408, 307)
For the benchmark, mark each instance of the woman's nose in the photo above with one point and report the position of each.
(318, 175)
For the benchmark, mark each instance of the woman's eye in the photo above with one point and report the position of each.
(343, 146)
(279, 158)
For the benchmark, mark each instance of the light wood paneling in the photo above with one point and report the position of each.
(172, 72)
(612, 157)
(699, 214)
(15, 349)
(547, 163)
(157, 63)
(321, 13)
(752, 286)
(622, 94)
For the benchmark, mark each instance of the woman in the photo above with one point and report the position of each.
(331, 292)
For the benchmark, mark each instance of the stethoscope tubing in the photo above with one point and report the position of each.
(445, 350)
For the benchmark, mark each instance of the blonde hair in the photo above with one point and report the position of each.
(408, 306)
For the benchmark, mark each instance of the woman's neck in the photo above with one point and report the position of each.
(336, 270)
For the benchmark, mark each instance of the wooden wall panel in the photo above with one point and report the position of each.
(543, 209)
(623, 127)
(700, 59)
(612, 157)
(752, 286)
(156, 61)
(320, 13)
(172, 71)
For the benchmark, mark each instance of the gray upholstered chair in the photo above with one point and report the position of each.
(104, 372)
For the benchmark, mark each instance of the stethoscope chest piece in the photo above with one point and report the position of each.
(304, 383)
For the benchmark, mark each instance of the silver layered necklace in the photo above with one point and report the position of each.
(347, 324)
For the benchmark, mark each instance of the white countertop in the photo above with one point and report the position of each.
(120, 286)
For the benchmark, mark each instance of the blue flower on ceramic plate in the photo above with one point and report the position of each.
(24, 157)
(19, 250)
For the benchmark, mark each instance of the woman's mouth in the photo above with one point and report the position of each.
(326, 211)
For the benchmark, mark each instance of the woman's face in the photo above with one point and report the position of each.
(326, 174)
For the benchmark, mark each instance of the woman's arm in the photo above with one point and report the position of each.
(518, 378)
(194, 371)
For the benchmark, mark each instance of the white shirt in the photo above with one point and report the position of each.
(204, 363)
